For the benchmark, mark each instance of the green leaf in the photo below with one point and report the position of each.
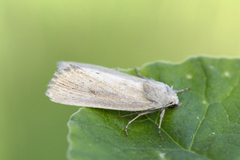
(205, 126)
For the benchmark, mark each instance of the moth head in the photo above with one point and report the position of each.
(175, 105)
(173, 101)
(173, 98)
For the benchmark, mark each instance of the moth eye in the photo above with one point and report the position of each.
(171, 102)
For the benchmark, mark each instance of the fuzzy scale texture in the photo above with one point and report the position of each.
(94, 86)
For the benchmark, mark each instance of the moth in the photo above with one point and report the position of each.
(94, 86)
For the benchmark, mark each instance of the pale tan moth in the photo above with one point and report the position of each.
(94, 86)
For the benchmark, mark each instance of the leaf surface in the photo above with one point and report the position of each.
(205, 126)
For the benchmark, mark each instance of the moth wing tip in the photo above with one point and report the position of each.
(49, 94)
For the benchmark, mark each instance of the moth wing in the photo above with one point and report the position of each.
(97, 87)
(64, 65)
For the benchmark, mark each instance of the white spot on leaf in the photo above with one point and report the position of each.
(162, 155)
(189, 76)
(213, 132)
(227, 74)
(204, 102)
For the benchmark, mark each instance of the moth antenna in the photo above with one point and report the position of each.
(182, 90)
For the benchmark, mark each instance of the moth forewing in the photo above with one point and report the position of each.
(88, 87)
(65, 65)
(94, 86)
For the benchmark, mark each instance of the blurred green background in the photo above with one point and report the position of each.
(34, 35)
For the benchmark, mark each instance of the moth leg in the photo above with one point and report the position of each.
(160, 122)
(128, 115)
(117, 69)
(182, 90)
(140, 114)
(139, 74)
